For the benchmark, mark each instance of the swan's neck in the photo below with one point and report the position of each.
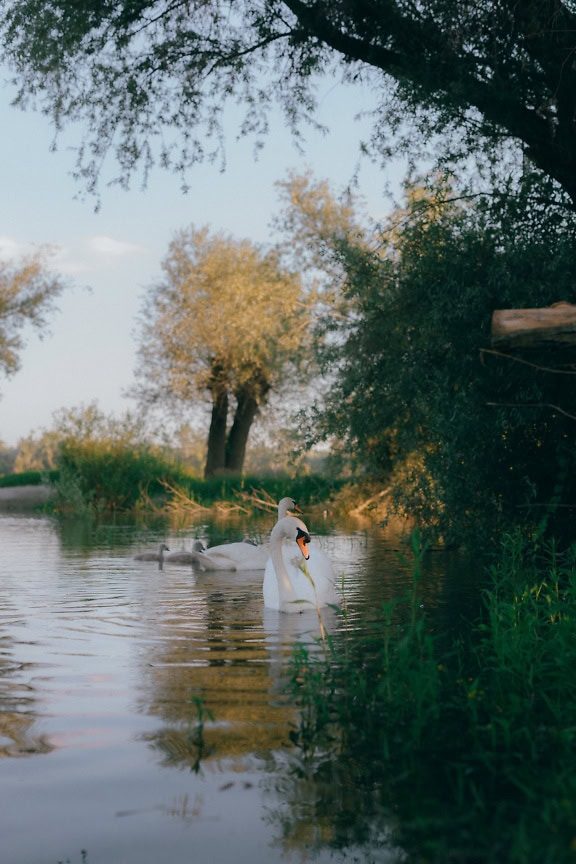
(286, 593)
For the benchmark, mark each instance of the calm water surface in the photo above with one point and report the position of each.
(106, 665)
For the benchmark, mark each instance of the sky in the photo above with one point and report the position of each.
(111, 256)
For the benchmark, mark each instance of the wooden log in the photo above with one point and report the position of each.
(531, 328)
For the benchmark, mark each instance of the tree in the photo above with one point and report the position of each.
(37, 452)
(27, 294)
(469, 440)
(484, 73)
(227, 321)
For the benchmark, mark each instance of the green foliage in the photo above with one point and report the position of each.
(489, 722)
(473, 441)
(152, 80)
(108, 476)
(106, 464)
(28, 478)
(306, 489)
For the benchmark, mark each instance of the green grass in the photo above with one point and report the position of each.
(471, 747)
(28, 478)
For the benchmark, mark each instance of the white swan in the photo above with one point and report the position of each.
(153, 556)
(294, 582)
(242, 555)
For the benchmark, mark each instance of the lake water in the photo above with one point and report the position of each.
(108, 665)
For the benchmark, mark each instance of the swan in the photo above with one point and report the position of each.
(153, 556)
(184, 557)
(242, 555)
(292, 582)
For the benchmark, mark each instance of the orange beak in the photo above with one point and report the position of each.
(303, 539)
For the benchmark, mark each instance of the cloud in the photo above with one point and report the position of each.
(88, 255)
(109, 246)
(56, 257)
(11, 248)
(63, 260)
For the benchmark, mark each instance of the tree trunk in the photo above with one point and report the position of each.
(551, 325)
(246, 411)
(216, 456)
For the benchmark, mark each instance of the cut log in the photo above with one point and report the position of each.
(530, 328)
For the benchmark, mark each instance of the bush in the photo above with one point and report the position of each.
(29, 478)
(107, 475)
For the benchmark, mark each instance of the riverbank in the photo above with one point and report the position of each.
(24, 497)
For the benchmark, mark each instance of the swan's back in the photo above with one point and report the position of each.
(153, 556)
(184, 557)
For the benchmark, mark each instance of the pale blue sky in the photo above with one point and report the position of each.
(112, 255)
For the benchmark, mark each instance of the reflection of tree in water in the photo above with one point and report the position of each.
(232, 662)
(232, 658)
(18, 699)
(223, 667)
(83, 535)
(17, 713)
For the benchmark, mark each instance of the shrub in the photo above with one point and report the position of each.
(29, 478)
(108, 475)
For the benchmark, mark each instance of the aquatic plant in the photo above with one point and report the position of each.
(186, 743)
(468, 741)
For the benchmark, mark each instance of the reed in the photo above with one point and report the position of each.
(470, 742)
(258, 492)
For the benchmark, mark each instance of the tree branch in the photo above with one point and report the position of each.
(532, 405)
(528, 363)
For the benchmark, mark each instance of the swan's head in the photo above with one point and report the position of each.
(163, 548)
(292, 528)
(287, 505)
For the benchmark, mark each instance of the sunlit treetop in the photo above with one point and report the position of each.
(223, 309)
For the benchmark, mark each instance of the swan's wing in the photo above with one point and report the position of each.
(254, 557)
(209, 561)
(180, 557)
(233, 556)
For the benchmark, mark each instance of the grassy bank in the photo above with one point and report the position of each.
(467, 748)
(132, 480)
(28, 478)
